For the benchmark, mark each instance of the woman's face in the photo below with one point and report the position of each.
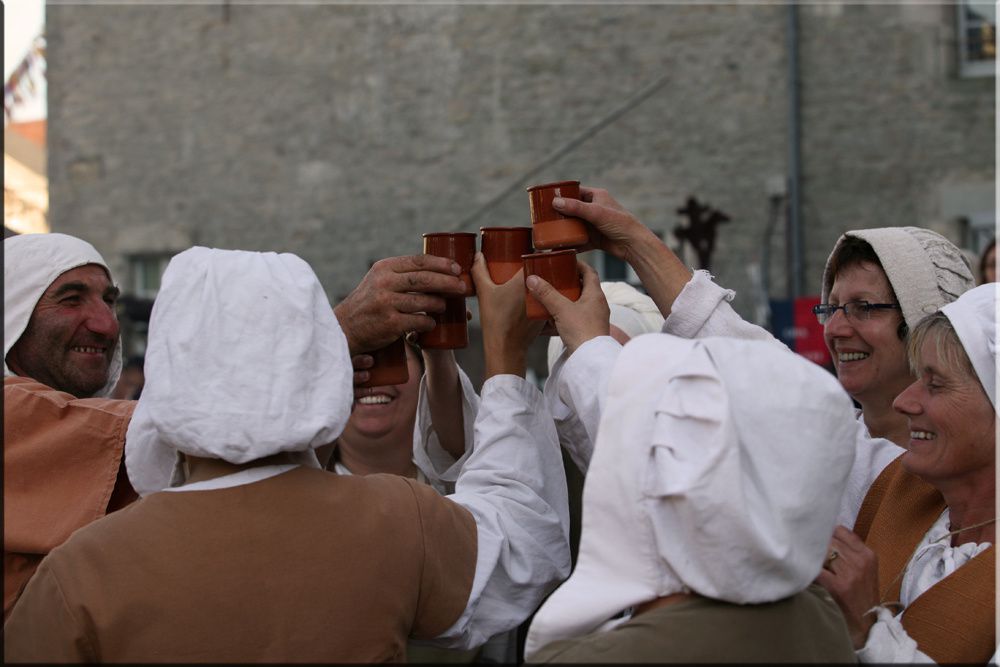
(951, 421)
(868, 355)
(379, 411)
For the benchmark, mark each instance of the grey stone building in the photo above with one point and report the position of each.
(343, 132)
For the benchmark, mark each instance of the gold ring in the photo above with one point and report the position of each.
(830, 557)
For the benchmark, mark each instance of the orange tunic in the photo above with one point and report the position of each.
(62, 470)
(305, 566)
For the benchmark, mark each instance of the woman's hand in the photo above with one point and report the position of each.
(507, 332)
(612, 229)
(575, 321)
(850, 574)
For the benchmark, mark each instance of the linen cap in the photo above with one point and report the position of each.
(974, 316)
(32, 262)
(631, 311)
(702, 482)
(245, 359)
(925, 269)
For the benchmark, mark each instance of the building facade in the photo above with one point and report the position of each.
(343, 132)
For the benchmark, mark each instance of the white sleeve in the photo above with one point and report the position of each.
(871, 456)
(702, 309)
(888, 642)
(514, 485)
(437, 464)
(575, 393)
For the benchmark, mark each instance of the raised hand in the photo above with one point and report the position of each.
(575, 321)
(507, 332)
(394, 297)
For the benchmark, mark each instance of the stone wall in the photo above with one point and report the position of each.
(341, 133)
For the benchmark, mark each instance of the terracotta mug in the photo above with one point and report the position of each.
(550, 228)
(503, 248)
(559, 269)
(451, 330)
(459, 246)
(390, 366)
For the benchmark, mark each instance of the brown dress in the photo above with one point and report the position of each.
(305, 566)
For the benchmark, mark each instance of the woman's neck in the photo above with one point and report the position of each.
(379, 455)
(971, 506)
(199, 468)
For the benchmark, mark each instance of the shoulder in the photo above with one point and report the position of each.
(21, 392)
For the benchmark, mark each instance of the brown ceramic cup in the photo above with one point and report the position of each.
(502, 248)
(459, 246)
(550, 228)
(390, 366)
(451, 330)
(559, 269)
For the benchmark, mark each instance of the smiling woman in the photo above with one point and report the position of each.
(921, 583)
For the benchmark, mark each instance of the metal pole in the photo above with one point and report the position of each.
(794, 239)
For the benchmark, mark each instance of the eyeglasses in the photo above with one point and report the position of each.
(853, 310)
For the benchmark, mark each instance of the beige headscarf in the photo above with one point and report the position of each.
(700, 481)
(245, 359)
(924, 268)
(32, 262)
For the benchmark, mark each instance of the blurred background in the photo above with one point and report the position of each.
(342, 132)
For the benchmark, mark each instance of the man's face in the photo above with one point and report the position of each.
(71, 336)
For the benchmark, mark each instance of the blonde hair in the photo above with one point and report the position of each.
(938, 328)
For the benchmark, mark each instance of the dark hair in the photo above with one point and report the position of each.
(852, 251)
(982, 260)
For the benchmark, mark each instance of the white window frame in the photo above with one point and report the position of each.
(971, 68)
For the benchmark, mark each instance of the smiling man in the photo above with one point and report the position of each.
(63, 440)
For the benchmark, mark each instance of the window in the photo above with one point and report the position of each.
(977, 22)
(145, 272)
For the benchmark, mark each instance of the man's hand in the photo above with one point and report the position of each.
(507, 332)
(576, 321)
(850, 574)
(394, 297)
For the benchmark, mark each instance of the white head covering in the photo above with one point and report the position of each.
(974, 316)
(925, 269)
(32, 262)
(631, 311)
(700, 481)
(245, 359)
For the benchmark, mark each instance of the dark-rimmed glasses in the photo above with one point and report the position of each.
(853, 310)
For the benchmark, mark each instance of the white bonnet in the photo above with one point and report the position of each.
(974, 316)
(32, 262)
(925, 269)
(631, 311)
(700, 481)
(245, 359)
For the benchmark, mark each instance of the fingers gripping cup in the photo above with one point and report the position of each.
(503, 248)
(451, 330)
(550, 228)
(458, 246)
(559, 269)
(390, 366)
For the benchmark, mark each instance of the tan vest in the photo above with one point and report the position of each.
(62, 470)
(954, 620)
